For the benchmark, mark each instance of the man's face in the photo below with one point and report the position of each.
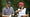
(21, 4)
(8, 5)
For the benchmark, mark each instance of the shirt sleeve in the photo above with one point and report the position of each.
(3, 11)
(27, 11)
(12, 11)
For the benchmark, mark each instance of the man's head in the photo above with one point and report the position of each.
(21, 4)
(8, 4)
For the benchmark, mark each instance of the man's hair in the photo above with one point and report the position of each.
(8, 2)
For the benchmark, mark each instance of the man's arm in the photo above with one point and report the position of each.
(12, 12)
(26, 13)
(3, 11)
(16, 12)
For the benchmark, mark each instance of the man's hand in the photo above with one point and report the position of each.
(5, 16)
(16, 11)
(12, 14)
(2, 14)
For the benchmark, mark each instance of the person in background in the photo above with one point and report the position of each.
(21, 10)
(8, 10)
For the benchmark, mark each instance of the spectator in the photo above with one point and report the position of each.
(21, 10)
(8, 10)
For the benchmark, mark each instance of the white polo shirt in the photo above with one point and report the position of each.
(22, 12)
